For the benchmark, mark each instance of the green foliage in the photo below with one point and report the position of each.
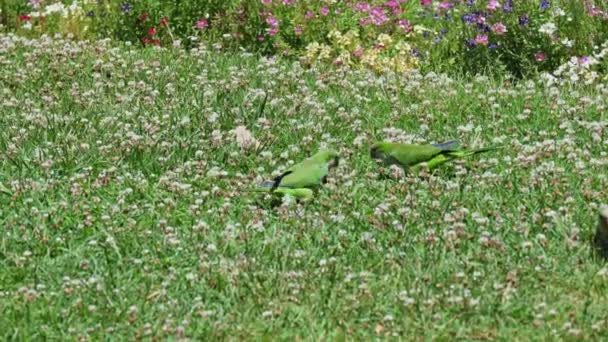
(123, 215)
(515, 37)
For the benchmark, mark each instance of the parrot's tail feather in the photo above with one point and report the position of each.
(267, 184)
(278, 180)
(448, 145)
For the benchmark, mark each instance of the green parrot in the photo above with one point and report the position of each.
(301, 179)
(412, 157)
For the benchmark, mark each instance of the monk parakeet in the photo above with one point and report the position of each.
(411, 157)
(301, 179)
(310, 173)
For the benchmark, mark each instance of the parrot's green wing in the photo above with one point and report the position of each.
(305, 177)
(408, 155)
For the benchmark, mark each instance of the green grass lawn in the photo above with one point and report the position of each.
(126, 212)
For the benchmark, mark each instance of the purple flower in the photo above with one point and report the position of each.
(324, 11)
(524, 20)
(493, 46)
(544, 4)
(126, 7)
(470, 43)
(469, 18)
(470, 3)
(508, 6)
(405, 24)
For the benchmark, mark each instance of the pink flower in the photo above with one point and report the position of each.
(309, 14)
(481, 39)
(324, 11)
(540, 56)
(358, 52)
(288, 2)
(201, 24)
(273, 31)
(426, 2)
(492, 5)
(444, 6)
(362, 6)
(364, 21)
(266, 2)
(378, 16)
(272, 21)
(297, 30)
(499, 28)
(391, 4)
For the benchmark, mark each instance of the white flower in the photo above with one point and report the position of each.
(548, 28)
(244, 138)
(567, 42)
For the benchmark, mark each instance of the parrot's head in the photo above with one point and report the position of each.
(378, 151)
(330, 157)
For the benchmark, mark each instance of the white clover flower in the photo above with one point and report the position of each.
(548, 28)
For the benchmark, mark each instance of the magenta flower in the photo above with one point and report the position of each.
(272, 21)
(297, 30)
(309, 15)
(378, 16)
(362, 7)
(391, 4)
(201, 24)
(481, 39)
(540, 56)
(499, 28)
(426, 2)
(324, 11)
(405, 25)
(273, 31)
